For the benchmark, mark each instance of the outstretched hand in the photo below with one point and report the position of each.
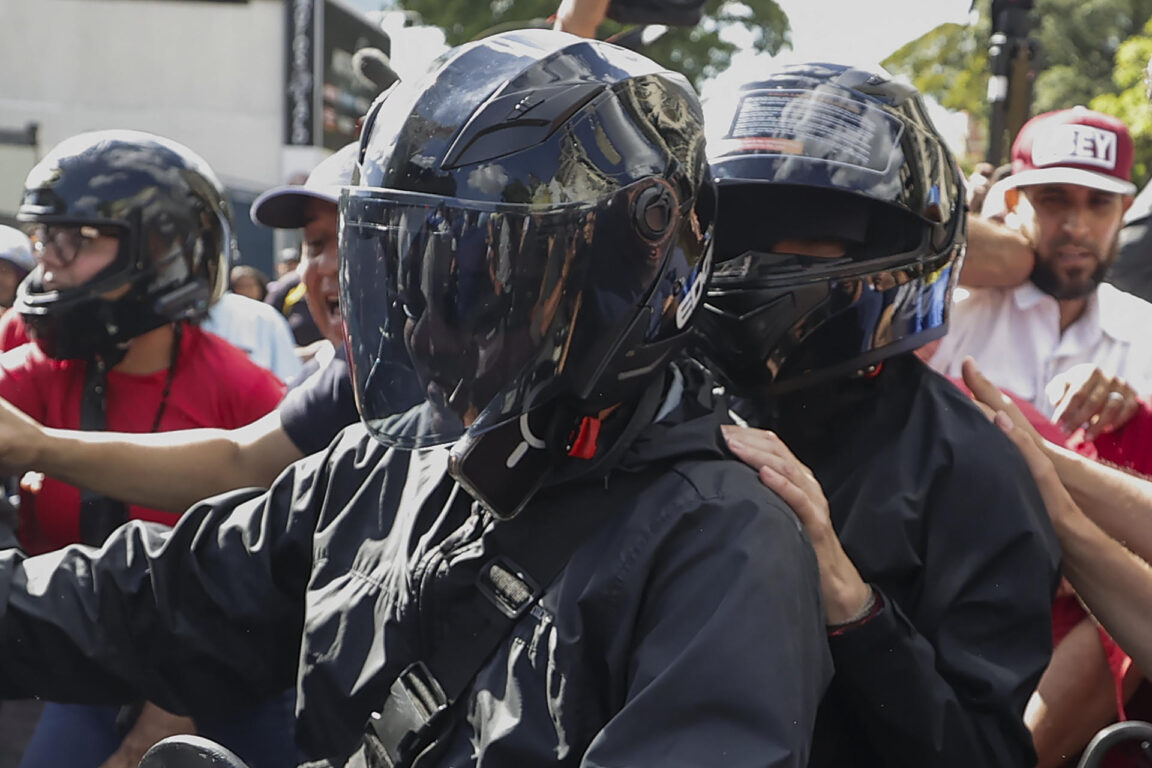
(989, 397)
(845, 593)
(1004, 413)
(1087, 397)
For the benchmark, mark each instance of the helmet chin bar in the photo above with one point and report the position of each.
(504, 467)
(84, 325)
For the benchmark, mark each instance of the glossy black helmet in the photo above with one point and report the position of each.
(532, 223)
(828, 152)
(175, 232)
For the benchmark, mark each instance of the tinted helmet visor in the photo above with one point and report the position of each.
(458, 315)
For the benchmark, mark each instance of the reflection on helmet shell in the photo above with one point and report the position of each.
(175, 230)
(527, 226)
(822, 151)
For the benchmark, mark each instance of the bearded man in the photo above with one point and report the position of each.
(1067, 195)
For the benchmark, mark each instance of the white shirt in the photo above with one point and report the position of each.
(258, 330)
(1014, 336)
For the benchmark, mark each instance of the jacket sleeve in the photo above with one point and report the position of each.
(947, 683)
(206, 614)
(729, 659)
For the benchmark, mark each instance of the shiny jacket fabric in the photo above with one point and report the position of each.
(939, 513)
(687, 630)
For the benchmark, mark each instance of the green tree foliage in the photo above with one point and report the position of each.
(947, 63)
(1078, 42)
(1130, 101)
(699, 52)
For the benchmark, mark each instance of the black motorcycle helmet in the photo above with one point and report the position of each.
(175, 231)
(822, 151)
(532, 226)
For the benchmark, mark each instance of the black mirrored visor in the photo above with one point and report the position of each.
(458, 314)
(756, 268)
(823, 124)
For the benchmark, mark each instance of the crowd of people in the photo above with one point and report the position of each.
(582, 429)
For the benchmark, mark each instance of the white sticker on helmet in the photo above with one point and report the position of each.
(695, 291)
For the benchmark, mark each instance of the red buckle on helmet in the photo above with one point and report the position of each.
(584, 445)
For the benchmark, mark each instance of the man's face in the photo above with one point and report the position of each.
(70, 256)
(319, 261)
(1073, 230)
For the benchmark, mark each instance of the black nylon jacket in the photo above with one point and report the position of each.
(939, 513)
(687, 630)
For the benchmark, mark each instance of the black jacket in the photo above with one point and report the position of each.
(938, 511)
(686, 631)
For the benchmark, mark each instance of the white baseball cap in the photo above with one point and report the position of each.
(283, 207)
(16, 248)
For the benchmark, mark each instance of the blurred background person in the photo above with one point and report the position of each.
(258, 330)
(286, 262)
(287, 295)
(15, 262)
(248, 281)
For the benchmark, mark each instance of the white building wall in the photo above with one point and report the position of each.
(207, 74)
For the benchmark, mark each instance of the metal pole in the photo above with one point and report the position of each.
(1011, 62)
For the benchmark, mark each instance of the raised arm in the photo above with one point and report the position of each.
(1118, 502)
(581, 17)
(997, 257)
(1113, 582)
(167, 470)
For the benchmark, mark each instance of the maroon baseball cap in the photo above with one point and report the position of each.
(1073, 146)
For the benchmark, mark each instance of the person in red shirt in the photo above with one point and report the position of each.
(132, 239)
(213, 385)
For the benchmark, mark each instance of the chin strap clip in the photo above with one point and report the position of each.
(584, 443)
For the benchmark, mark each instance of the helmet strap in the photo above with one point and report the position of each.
(177, 335)
(100, 515)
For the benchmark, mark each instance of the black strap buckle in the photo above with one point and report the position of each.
(507, 586)
(407, 724)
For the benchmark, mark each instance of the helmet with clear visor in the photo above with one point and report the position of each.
(823, 153)
(528, 228)
(174, 232)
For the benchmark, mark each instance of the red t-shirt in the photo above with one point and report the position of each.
(12, 332)
(1129, 447)
(215, 385)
